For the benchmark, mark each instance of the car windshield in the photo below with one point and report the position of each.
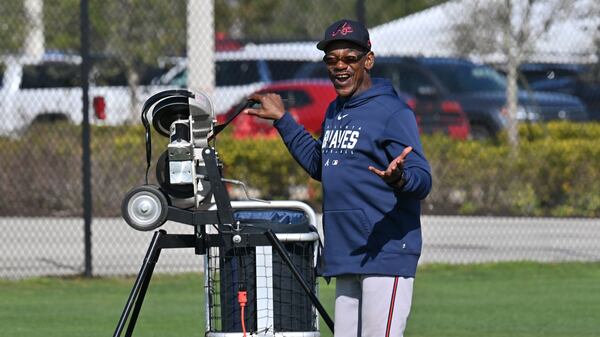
(550, 74)
(283, 70)
(228, 73)
(51, 75)
(462, 78)
(111, 72)
(236, 72)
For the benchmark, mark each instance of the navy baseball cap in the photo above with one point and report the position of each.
(346, 30)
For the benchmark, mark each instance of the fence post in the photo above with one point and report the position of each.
(85, 137)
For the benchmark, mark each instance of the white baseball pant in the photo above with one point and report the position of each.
(372, 306)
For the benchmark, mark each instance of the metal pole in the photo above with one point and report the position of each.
(361, 15)
(85, 136)
(138, 293)
(280, 249)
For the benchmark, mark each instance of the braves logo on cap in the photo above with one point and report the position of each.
(344, 30)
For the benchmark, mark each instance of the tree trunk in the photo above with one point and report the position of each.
(512, 103)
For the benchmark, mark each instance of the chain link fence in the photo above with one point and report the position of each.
(454, 62)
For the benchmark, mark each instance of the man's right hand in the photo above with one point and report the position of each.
(271, 106)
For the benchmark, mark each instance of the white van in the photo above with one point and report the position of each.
(241, 72)
(49, 89)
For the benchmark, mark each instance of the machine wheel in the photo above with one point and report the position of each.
(145, 208)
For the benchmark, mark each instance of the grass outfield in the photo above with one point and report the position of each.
(508, 299)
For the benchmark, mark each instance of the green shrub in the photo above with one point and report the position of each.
(263, 163)
(555, 172)
(40, 173)
(558, 130)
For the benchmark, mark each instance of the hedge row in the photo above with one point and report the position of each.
(550, 176)
(555, 172)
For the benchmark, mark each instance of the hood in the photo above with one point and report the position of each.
(379, 87)
(497, 99)
(546, 106)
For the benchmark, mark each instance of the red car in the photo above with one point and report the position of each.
(307, 100)
(441, 116)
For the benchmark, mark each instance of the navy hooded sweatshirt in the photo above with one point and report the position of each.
(369, 226)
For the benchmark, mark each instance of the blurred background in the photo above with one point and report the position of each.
(506, 95)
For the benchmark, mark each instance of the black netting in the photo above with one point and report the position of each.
(294, 309)
(276, 300)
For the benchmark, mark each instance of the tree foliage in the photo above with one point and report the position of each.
(134, 32)
(595, 13)
(506, 30)
(13, 27)
(142, 29)
(139, 32)
(274, 20)
(61, 25)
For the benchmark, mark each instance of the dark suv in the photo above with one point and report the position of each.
(478, 90)
(573, 79)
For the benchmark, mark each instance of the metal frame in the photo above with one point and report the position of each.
(283, 237)
(220, 214)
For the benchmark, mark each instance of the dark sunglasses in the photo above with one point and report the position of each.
(331, 60)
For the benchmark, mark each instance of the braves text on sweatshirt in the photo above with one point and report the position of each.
(369, 226)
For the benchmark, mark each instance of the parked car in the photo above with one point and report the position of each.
(238, 73)
(574, 79)
(433, 115)
(445, 116)
(48, 89)
(457, 84)
(305, 100)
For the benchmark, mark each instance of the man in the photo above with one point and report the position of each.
(370, 162)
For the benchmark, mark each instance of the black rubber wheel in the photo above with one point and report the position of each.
(145, 208)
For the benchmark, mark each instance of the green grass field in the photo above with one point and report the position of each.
(508, 299)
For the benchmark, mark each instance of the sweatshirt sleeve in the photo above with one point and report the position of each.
(401, 131)
(301, 144)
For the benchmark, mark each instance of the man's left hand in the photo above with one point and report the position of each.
(394, 172)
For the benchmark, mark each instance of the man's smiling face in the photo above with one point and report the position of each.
(347, 67)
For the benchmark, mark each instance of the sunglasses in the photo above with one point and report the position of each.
(331, 60)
